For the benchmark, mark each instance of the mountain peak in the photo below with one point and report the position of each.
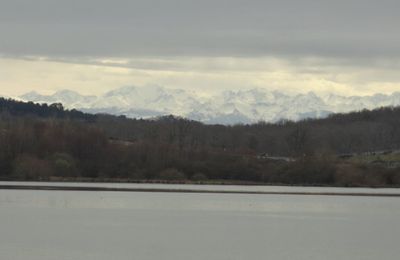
(121, 91)
(227, 107)
(31, 94)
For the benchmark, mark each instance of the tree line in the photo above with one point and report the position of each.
(40, 142)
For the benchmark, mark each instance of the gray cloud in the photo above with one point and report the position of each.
(130, 28)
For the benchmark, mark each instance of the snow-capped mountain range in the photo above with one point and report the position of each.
(227, 107)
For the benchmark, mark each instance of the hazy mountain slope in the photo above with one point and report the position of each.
(68, 98)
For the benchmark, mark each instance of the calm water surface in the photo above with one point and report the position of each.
(44, 225)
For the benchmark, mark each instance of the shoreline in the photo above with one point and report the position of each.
(170, 190)
(190, 182)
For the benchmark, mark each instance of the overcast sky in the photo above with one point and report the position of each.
(344, 46)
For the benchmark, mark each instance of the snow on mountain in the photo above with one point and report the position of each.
(227, 107)
(68, 98)
(33, 96)
(150, 98)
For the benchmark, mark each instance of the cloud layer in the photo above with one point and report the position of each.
(356, 28)
(344, 46)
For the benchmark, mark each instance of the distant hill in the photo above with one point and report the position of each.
(363, 131)
(228, 107)
(20, 108)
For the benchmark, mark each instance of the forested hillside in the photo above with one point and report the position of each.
(46, 142)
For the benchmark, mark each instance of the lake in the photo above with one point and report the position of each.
(44, 225)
